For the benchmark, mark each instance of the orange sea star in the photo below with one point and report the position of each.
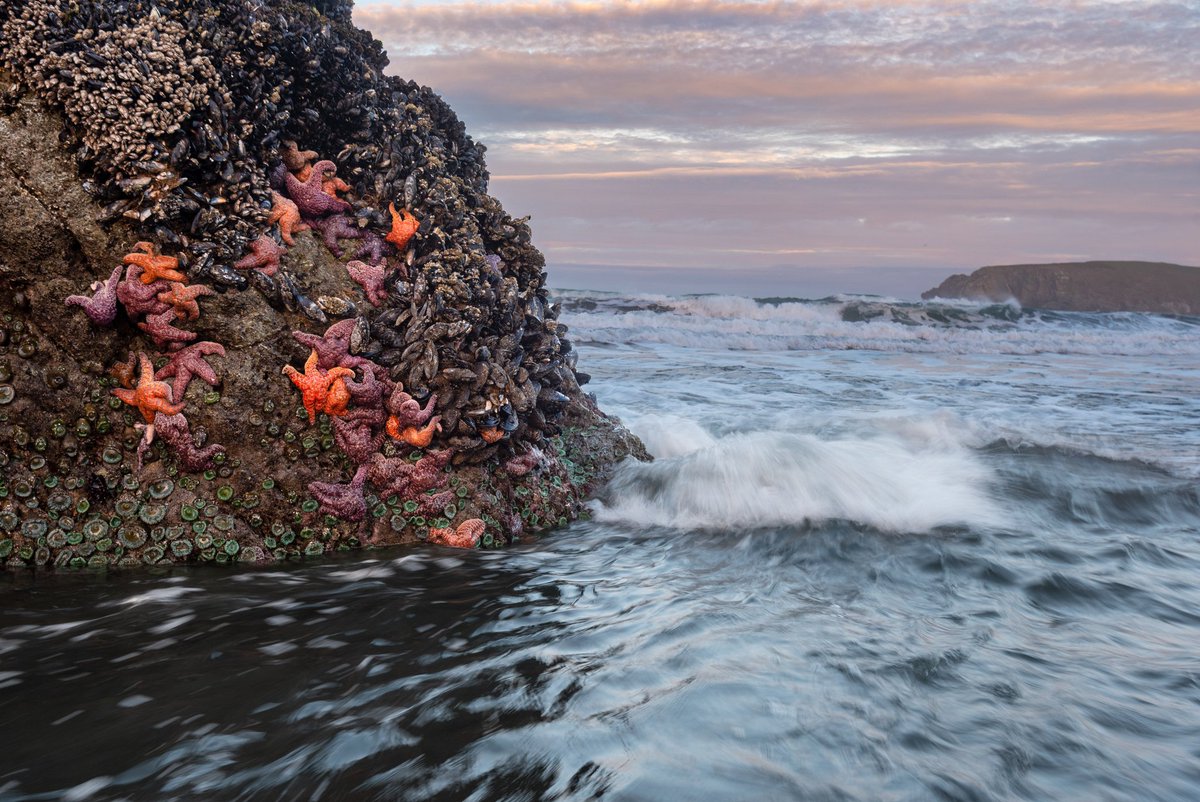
(287, 215)
(418, 438)
(466, 536)
(404, 225)
(314, 384)
(183, 298)
(153, 265)
(149, 396)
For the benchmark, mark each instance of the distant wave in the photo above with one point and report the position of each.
(862, 322)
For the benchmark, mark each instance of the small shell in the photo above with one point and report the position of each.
(336, 306)
(360, 335)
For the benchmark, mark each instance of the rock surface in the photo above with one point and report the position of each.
(76, 491)
(1155, 287)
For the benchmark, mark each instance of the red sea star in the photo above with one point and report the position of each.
(183, 298)
(149, 396)
(264, 255)
(309, 195)
(188, 362)
(101, 308)
(162, 332)
(370, 278)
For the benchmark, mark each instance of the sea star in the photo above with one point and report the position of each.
(490, 434)
(370, 278)
(406, 411)
(342, 501)
(337, 401)
(404, 225)
(333, 349)
(417, 438)
(465, 536)
(101, 307)
(153, 265)
(287, 215)
(357, 439)
(374, 249)
(175, 432)
(334, 227)
(314, 384)
(524, 463)
(140, 298)
(188, 362)
(367, 396)
(332, 185)
(429, 471)
(310, 197)
(297, 161)
(162, 332)
(149, 396)
(182, 298)
(398, 476)
(264, 255)
(124, 372)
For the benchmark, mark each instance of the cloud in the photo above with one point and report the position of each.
(791, 121)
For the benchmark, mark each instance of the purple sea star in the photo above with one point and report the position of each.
(188, 362)
(342, 501)
(334, 227)
(367, 396)
(374, 248)
(264, 255)
(138, 298)
(523, 463)
(333, 349)
(101, 307)
(162, 332)
(175, 432)
(370, 278)
(310, 195)
(357, 439)
(406, 410)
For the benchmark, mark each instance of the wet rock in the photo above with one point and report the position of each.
(468, 298)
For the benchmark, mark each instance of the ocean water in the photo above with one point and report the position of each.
(886, 551)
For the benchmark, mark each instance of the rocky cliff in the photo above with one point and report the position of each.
(256, 303)
(1155, 287)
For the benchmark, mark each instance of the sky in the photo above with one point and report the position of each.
(806, 148)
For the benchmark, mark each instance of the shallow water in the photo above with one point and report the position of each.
(867, 565)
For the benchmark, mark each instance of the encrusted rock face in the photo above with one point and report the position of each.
(225, 189)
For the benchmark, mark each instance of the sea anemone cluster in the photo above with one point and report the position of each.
(182, 113)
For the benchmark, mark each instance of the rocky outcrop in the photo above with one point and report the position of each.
(448, 324)
(1156, 287)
